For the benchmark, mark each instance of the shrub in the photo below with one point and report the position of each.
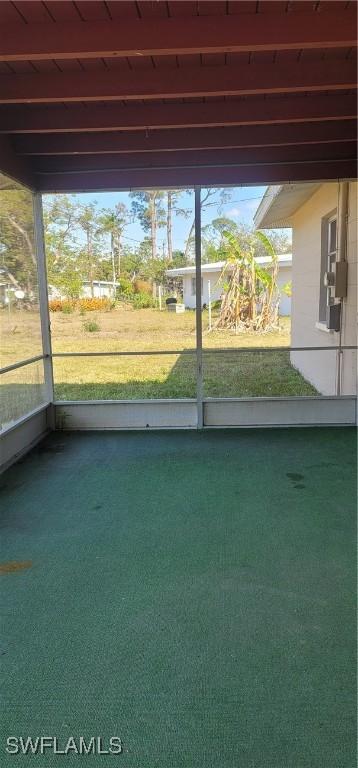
(143, 301)
(142, 286)
(126, 287)
(91, 326)
(96, 305)
(82, 305)
(55, 305)
(68, 307)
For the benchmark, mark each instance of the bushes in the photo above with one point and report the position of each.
(143, 301)
(55, 305)
(93, 305)
(126, 288)
(91, 326)
(142, 286)
(82, 305)
(140, 300)
(68, 307)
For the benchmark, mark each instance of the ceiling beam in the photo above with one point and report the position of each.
(187, 177)
(17, 168)
(233, 80)
(206, 158)
(114, 117)
(163, 36)
(196, 139)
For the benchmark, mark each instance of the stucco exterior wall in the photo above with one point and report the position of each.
(99, 291)
(284, 277)
(320, 367)
(216, 289)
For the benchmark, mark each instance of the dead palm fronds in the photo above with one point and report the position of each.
(250, 295)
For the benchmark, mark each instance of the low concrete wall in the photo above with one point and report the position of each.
(22, 436)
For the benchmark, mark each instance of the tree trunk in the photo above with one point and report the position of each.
(90, 263)
(209, 193)
(187, 244)
(119, 248)
(113, 264)
(169, 226)
(26, 238)
(153, 225)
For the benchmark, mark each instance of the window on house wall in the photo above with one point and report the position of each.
(193, 286)
(328, 258)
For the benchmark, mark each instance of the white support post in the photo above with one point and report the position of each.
(209, 302)
(342, 234)
(198, 310)
(43, 301)
(160, 298)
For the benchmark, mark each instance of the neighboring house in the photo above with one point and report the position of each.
(210, 277)
(319, 218)
(101, 289)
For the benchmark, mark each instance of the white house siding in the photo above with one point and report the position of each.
(320, 367)
(284, 277)
(215, 289)
(100, 290)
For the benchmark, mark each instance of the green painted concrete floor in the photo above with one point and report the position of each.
(191, 593)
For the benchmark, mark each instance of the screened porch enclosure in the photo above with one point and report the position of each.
(178, 481)
(162, 369)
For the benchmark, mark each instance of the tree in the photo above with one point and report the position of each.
(113, 223)
(251, 295)
(60, 228)
(169, 223)
(173, 196)
(17, 248)
(148, 207)
(212, 238)
(224, 196)
(89, 254)
(178, 259)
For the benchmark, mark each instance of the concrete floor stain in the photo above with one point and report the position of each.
(14, 566)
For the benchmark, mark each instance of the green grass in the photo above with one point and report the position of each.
(248, 374)
(173, 376)
(155, 376)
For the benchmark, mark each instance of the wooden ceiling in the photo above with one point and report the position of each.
(121, 94)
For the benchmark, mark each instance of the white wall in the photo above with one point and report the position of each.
(284, 276)
(216, 289)
(320, 367)
(99, 291)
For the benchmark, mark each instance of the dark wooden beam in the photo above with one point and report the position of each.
(197, 139)
(206, 158)
(114, 117)
(187, 177)
(163, 36)
(239, 79)
(17, 168)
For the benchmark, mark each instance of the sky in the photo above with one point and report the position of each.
(240, 207)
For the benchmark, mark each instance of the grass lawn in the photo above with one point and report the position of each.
(229, 374)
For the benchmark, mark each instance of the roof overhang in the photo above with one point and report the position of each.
(137, 95)
(284, 260)
(280, 203)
